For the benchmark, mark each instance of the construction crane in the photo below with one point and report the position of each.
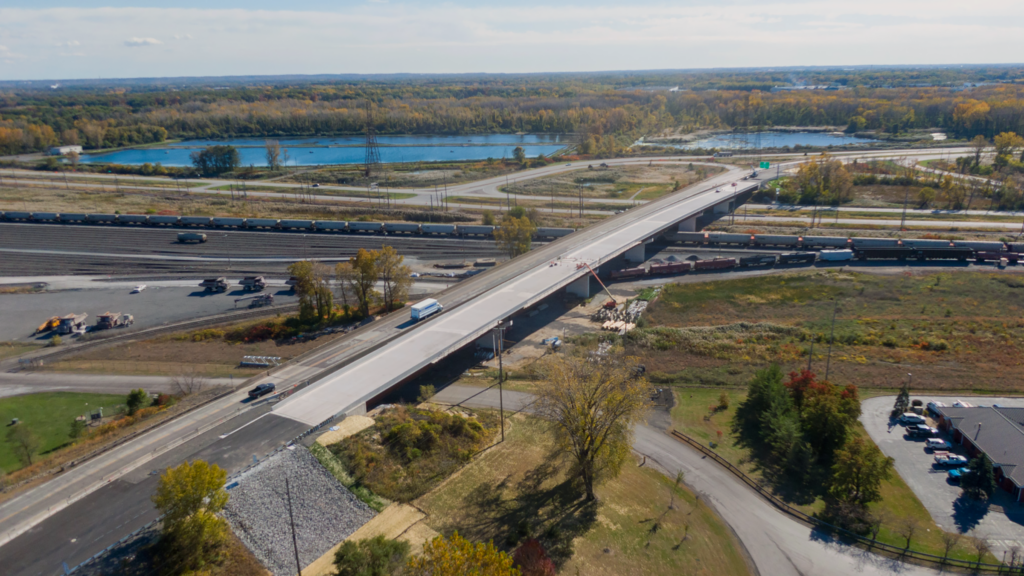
(611, 303)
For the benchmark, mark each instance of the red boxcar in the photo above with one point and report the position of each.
(716, 264)
(629, 273)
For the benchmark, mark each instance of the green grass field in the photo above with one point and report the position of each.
(520, 489)
(960, 330)
(48, 416)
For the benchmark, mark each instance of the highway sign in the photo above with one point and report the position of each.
(765, 164)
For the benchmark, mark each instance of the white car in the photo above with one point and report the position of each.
(960, 404)
(911, 418)
(936, 444)
(138, 288)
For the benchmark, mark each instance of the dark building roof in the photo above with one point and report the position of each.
(998, 432)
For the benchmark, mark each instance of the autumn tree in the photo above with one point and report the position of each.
(824, 181)
(359, 276)
(925, 196)
(1008, 144)
(316, 301)
(273, 153)
(515, 235)
(189, 497)
(532, 560)
(393, 275)
(375, 556)
(519, 155)
(859, 470)
(23, 443)
(978, 145)
(594, 406)
(214, 160)
(457, 556)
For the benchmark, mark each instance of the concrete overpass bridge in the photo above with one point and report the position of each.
(559, 265)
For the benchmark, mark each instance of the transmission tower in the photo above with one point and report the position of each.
(373, 166)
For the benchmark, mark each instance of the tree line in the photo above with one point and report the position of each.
(591, 106)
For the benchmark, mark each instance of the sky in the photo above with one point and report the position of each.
(54, 39)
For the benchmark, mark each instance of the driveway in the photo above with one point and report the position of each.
(1002, 523)
(777, 544)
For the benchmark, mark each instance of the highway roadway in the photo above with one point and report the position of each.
(106, 496)
(36, 521)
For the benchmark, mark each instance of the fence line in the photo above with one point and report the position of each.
(869, 543)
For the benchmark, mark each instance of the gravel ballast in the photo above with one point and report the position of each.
(325, 512)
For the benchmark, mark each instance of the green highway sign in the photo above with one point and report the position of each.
(765, 164)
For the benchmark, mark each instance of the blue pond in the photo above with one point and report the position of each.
(349, 149)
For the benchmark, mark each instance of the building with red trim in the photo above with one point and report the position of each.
(994, 431)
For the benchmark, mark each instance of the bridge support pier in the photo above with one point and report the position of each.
(637, 254)
(723, 208)
(580, 287)
(688, 225)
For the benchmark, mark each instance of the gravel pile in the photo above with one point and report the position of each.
(325, 511)
(636, 308)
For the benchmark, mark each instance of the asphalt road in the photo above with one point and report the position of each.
(777, 544)
(123, 505)
(1003, 526)
(19, 383)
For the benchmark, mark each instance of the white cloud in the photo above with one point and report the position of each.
(68, 44)
(373, 37)
(133, 42)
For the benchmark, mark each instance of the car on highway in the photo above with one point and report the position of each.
(935, 444)
(568, 164)
(911, 418)
(138, 288)
(262, 390)
(950, 460)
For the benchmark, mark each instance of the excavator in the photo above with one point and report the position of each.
(50, 324)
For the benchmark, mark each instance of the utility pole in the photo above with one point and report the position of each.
(291, 521)
(831, 337)
(498, 337)
(906, 197)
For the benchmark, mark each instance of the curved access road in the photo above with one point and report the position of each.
(777, 544)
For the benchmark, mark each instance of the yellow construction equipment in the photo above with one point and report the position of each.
(50, 324)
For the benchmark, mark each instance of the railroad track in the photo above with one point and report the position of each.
(223, 244)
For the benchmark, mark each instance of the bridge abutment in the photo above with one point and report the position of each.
(580, 287)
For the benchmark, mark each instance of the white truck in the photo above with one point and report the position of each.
(421, 310)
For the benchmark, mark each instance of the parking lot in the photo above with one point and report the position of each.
(160, 303)
(1002, 522)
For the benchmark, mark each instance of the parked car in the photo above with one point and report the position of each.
(937, 444)
(933, 407)
(956, 474)
(950, 460)
(262, 390)
(922, 430)
(911, 418)
(138, 288)
(961, 404)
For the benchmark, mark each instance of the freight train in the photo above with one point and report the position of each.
(216, 222)
(835, 242)
(900, 253)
